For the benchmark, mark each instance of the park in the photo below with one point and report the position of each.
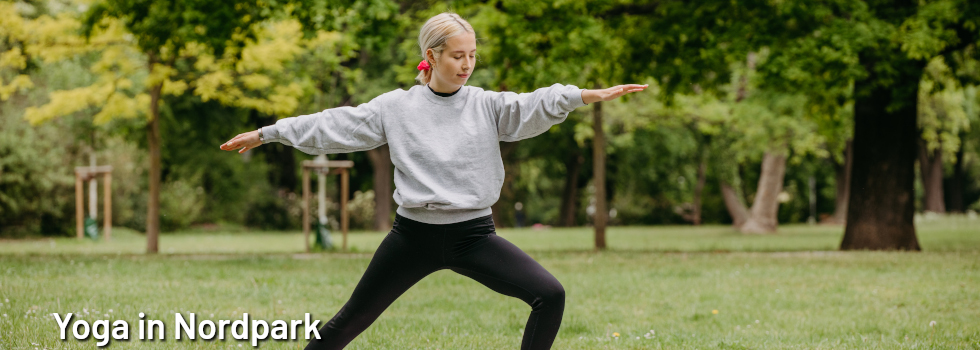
(674, 174)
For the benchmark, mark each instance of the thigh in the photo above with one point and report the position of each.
(396, 266)
(506, 269)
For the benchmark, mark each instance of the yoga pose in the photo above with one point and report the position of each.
(444, 141)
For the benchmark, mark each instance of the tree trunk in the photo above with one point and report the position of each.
(931, 170)
(881, 204)
(954, 189)
(698, 189)
(734, 203)
(843, 178)
(503, 209)
(599, 176)
(736, 208)
(762, 216)
(569, 197)
(381, 163)
(153, 204)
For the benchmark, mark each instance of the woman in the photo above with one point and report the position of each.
(444, 142)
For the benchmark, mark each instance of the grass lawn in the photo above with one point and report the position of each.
(657, 287)
(936, 235)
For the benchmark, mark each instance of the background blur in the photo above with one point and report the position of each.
(750, 106)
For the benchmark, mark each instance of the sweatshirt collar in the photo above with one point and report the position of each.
(440, 94)
(458, 96)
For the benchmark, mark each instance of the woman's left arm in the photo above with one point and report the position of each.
(520, 116)
(609, 94)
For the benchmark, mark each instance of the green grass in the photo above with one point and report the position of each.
(936, 235)
(787, 291)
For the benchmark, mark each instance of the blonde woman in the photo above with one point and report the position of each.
(444, 141)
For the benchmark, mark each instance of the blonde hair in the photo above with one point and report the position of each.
(434, 34)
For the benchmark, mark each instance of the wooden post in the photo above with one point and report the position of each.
(344, 188)
(325, 168)
(93, 195)
(107, 203)
(88, 174)
(79, 205)
(306, 208)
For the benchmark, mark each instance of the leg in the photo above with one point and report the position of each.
(507, 270)
(395, 267)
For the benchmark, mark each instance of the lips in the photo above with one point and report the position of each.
(463, 75)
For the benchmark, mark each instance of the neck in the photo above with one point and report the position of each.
(444, 88)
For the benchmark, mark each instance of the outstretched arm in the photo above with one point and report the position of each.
(335, 130)
(609, 94)
(520, 116)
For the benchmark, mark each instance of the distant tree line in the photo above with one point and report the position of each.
(761, 113)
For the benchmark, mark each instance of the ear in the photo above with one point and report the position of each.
(430, 56)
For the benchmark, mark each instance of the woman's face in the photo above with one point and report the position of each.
(455, 65)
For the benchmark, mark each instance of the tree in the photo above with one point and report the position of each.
(697, 50)
(534, 44)
(158, 34)
(881, 47)
(370, 60)
(737, 122)
(822, 50)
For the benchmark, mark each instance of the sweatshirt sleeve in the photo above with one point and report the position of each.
(521, 116)
(336, 130)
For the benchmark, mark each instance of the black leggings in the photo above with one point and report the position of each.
(413, 250)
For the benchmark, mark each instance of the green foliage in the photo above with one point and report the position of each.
(361, 210)
(181, 203)
(273, 210)
(943, 109)
(226, 68)
(37, 195)
(128, 162)
(163, 28)
(36, 186)
(531, 44)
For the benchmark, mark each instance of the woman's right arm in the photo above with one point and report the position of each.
(336, 130)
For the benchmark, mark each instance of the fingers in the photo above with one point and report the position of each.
(230, 145)
(633, 88)
(620, 90)
(234, 143)
(629, 88)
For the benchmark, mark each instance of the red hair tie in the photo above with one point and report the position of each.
(423, 65)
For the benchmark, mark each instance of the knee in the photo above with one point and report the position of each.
(552, 295)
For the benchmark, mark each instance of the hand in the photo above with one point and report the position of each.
(589, 96)
(244, 141)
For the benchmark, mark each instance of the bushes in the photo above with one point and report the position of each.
(273, 210)
(361, 210)
(36, 180)
(181, 203)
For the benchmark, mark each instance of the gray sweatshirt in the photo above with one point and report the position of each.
(445, 149)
